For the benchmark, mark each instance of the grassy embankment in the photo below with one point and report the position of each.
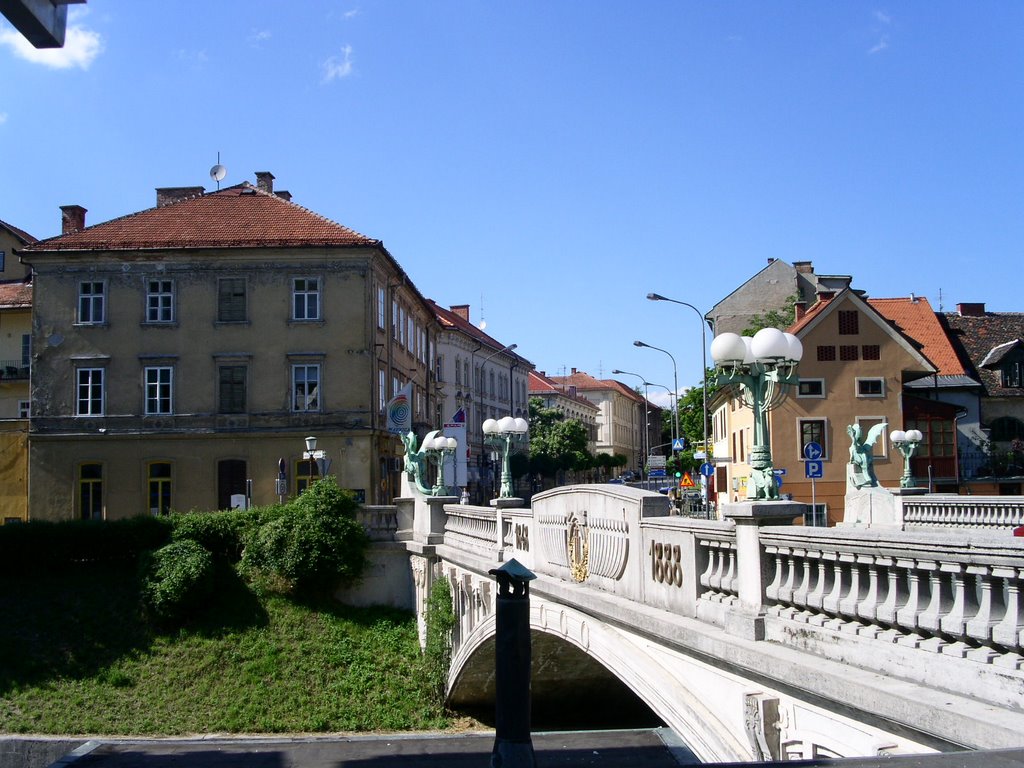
(77, 658)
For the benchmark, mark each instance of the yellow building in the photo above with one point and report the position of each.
(15, 339)
(181, 352)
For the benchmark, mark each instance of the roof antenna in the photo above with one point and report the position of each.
(218, 172)
(483, 323)
(940, 299)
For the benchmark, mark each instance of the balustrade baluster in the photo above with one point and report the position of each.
(716, 575)
(848, 605)
(1009, 632)
(980, 625)
(803, 590)
(729, 580)
(772, 590)
(938, 598)
(867, 606)
(817, 597)
(786, 590)
(839, 568)
(954, 622)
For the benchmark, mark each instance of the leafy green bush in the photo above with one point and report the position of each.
(222, 533)
(440, 623)
(176, 580)
(41, 545)
(314, 544)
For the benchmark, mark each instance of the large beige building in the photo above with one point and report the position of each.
(181, 352)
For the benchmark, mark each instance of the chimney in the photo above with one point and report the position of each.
(284, 194)
(72, 219)
(265, 181)
(804, 267)
(824, 295)
(168, 195)
(573, 371)
(971, 310)
(572, 389)
(461, 310)
(771, 259)
(799, 310)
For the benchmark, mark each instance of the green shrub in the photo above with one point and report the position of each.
(437, 654)
(223, 533)
(40, 545)
(176, 580)
(312, 544)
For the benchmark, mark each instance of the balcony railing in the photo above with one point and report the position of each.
(13, 370)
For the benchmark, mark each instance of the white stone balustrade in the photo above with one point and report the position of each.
(950, 511)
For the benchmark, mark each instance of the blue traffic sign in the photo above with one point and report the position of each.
(656, 473)
(813, 470)
(812, 451)
(707, 469)
(679, 444)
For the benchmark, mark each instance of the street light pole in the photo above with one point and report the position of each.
(645, 436)
(482, 388)
(675, 380)
(703, 355)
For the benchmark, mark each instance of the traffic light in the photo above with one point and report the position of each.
(678, 474)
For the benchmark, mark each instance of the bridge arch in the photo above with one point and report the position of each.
(679, 700)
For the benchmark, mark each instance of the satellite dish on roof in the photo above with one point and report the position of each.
(218, 172)
(483, 324)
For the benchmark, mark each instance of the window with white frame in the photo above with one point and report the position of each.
(89, 397)
(811, 388)
(306, 387)
(24, 409)
(306, 298)
(382, 390)
(160, 301)
(26, 350)
(382, 310)
(92, 302)
(159, 381)
(871, 387)
(812, 431)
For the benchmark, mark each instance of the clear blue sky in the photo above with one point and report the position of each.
(556, 161)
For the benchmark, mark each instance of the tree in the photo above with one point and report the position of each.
(691, 411)
(774, 318)
(556, 443)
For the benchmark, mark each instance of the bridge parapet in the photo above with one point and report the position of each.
(999, 513)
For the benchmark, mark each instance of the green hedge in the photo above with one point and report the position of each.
(34, 546)
(224, 533)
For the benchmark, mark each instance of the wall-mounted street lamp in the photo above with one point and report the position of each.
(323, 464)
(906, 443)
(507, 435)
(438, 450)
(759, 370)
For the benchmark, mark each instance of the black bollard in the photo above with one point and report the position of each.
(513, 747)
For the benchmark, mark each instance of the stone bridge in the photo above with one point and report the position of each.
(753, 639)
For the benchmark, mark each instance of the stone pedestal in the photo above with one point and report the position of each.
(428, 526)
(751, 569)
(877, 507)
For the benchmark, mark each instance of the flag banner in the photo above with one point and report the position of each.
(459, 417)
(399, 411)
(456, 428)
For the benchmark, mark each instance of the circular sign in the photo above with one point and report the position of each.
(813, 451)
(707, 469)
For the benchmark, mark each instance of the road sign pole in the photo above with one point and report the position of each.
(814, 500)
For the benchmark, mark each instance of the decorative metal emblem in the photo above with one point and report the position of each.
(578, 543)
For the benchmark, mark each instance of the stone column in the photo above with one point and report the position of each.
(753, 575)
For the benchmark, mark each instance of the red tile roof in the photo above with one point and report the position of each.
(236, 217)
(21, 234)
(915, 318)
(585, 382)
(452, 321)
(16, 295)
(540, 384)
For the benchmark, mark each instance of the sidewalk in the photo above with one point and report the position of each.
(600, 749)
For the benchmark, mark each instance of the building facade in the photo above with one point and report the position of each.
(569, 403)
(181, 355)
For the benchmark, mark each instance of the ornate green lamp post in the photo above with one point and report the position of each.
(759, 370)
(507, 435)
(906, 443)
(438, 449)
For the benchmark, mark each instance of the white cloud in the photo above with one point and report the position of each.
(883, 17)
(351, 14)
(195, 58)
(336, 68)
(258, 36)
(880, 46)
(81, 47)
(3, 118)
